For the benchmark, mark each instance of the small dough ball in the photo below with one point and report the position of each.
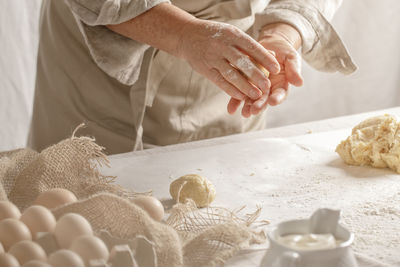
(151, 205)
(374, 142)
(27, 250)
(36, 263)
(8, 260)
(38, 219)
(8, 210)
(262, 69)
(90, 248)
(193, 186)
(69, 227)
(55, 197)
(12, 231)
(65, 258)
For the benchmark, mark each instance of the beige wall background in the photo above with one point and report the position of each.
(371, 32)
(370, 29)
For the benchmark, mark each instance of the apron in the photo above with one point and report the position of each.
(170, 103)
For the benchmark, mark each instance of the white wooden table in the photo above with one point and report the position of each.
(289, 171)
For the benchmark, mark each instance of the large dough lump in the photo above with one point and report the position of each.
(374, 142)
(193, 186)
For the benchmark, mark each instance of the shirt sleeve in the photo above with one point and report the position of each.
(322, 47)
(118, 56)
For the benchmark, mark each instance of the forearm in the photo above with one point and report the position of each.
(327, 8)
(159, 27)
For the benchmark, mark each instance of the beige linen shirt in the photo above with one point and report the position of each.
(128, 94)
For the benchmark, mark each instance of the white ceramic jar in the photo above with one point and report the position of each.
(279, 255)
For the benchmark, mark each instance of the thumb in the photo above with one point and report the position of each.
(293, 69)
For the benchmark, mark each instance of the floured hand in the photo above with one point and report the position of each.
(222, 52)
(284, 41)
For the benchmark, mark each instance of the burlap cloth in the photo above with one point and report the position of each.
(189, 237)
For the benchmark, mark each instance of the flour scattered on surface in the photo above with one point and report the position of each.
(303, 147)
(377, 228)
(375, 222)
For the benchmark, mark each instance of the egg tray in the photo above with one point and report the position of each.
(123, 253)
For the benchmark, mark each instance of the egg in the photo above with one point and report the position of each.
(38, 219)
(36, 263)
(1, 248)
(90, 248)
(151, 205)
(55, 197)
(65, 258)
(69, 227)
(27, 250)
(12, 231)
(8, 210)
(8, 260)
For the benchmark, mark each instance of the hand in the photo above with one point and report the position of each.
(221, 52)
(284, 41)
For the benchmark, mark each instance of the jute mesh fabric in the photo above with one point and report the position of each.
(189, 237)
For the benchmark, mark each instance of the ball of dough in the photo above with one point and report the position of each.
(266, 73)
(374, 142)
(193, 186)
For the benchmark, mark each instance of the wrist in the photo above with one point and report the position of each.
(184, 32)
(281, 31)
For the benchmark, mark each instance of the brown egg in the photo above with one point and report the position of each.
(8, 210)
(65, 258)
(69, 227)
(12, 231)
(54, 198)
(27, 250)
(36, 263)
(38, 219)
(90, 248)
(8, 260)
(151, 205)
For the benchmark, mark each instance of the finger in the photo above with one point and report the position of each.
(256, 51)
(259, 104)
(233, 105)
(277, 96)
(243, 63)
(293, 69)
(246, 109)
(215, 76)
(234, 77)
